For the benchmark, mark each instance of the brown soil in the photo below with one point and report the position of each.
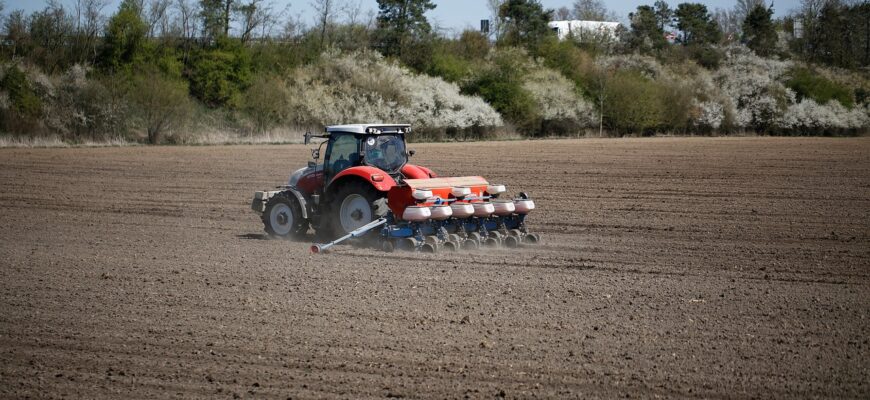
(712, 268)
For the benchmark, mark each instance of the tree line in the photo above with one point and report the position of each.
(149, 66)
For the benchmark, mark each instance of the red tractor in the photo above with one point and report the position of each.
(365, 182)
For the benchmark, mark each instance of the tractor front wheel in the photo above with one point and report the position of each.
(355, 204)
(282, 217)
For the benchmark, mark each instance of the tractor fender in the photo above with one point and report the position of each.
(412, 171)
(381, 180)
(431, 173)
(300, 198)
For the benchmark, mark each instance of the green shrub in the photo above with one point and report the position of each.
(22, 98)
(167, 61)
(808, 84)
(508, 98)
(277, 58)
(449, 67)
(501, 85)
(632, 103)
(219, 76)
(706, 56)
(125, 37)
(565, 57)
(472, 45)
(267, 102)
(160, 103)
(678, 105)
(456, 60)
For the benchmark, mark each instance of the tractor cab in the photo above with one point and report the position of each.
(357, 149)
(377, 146)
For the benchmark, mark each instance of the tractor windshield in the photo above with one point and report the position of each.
(386, 152)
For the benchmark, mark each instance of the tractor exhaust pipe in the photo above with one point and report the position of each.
(318, 248)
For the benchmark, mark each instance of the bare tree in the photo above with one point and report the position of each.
(186, 22)
(563, 14)
(51, 31)
(187, 10)
(293, 27)
(248, 16)
(497, 25)
(15, 29)
(254, 16)
(729, 23)
(156, 16)
(325, 11)
(89, 21)
(271, 18)
(352, 10)
(592, 10)
(140, 6)
(812, 8)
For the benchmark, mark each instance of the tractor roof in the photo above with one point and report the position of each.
(370, 128)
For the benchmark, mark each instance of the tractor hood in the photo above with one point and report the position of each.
(299, 173)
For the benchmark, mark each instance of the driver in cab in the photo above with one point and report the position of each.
(382, 155)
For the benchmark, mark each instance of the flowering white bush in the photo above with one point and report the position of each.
(363, 87)
(557, 98)
(41, 83)
(752, 85)
(86, 108)
(832, 115)
(437, 103)
(711, 114)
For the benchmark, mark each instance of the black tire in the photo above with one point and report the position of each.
(282, 217)
(354, 192)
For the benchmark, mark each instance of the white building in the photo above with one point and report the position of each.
(580, 28)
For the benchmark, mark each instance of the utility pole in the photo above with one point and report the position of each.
(602, 94)
(601, 116)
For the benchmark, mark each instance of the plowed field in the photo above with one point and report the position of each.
(672, 267)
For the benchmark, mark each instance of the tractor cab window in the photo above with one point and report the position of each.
(386, 152)
(343, 154)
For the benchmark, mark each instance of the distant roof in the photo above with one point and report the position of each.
(364, 128)
(584, 24)
(580, 28)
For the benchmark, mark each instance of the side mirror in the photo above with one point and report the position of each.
(411, 153)
(307, 137)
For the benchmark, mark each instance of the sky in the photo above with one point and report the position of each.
(451, 15)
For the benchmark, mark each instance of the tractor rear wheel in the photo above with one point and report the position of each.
(282, 217)
(355, 204)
